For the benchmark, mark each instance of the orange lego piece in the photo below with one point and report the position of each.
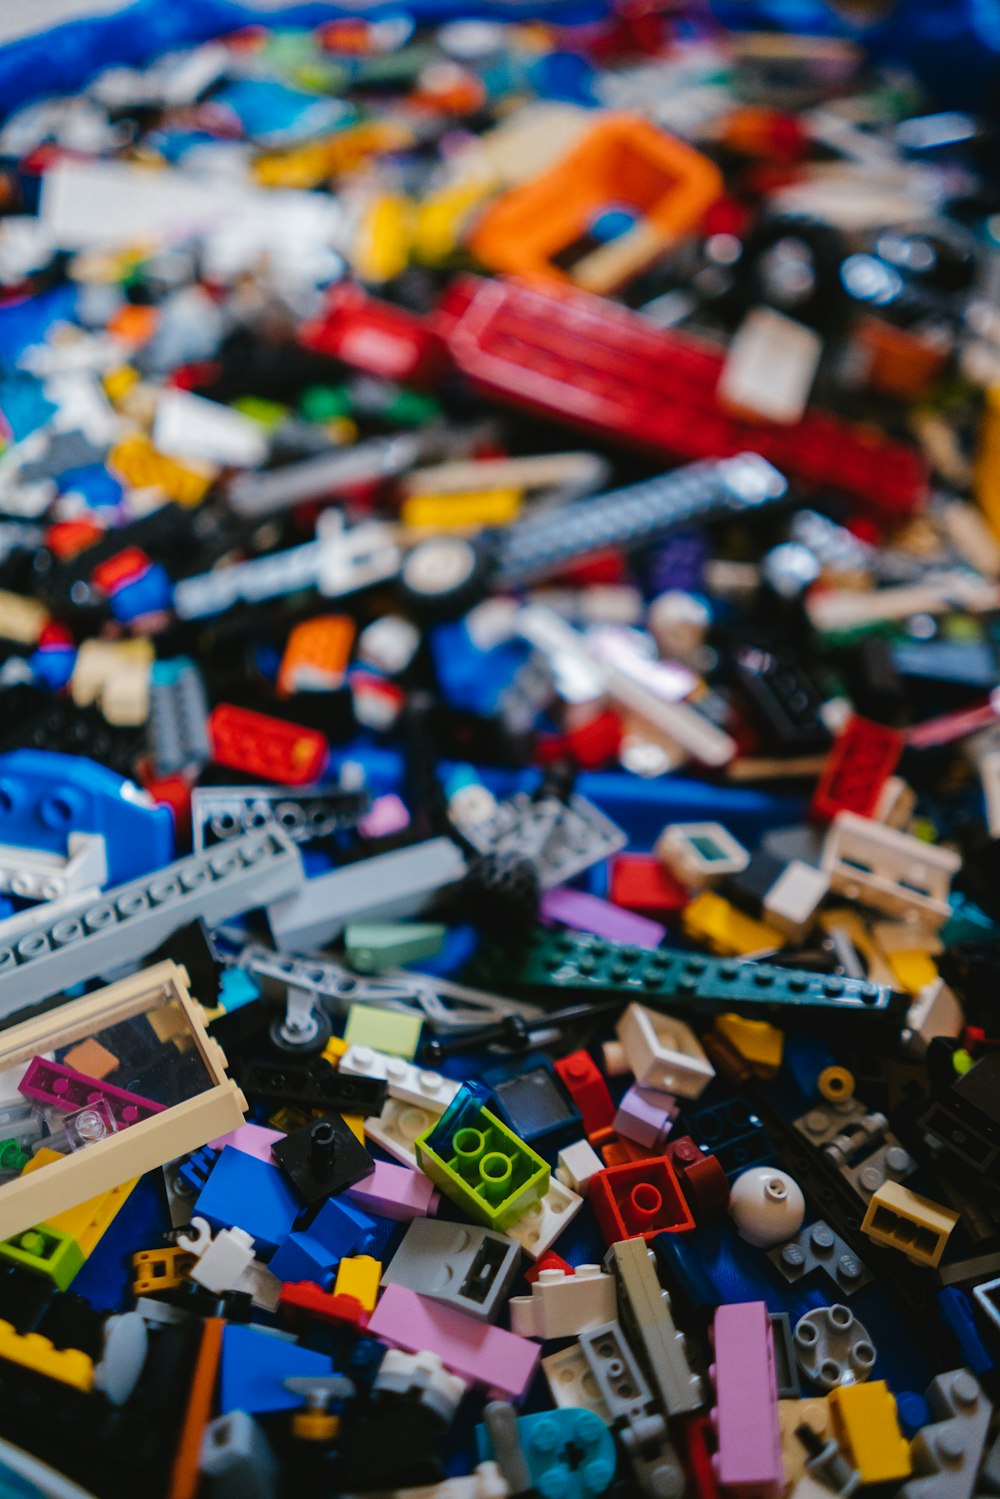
(184, 1476)
(317, 654)
(92, 1058)
(623, 163)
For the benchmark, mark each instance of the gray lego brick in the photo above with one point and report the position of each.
(130, 920)
(616, 1372)
(647, 1316)
(460, 1264)
(818, 1248)
(221, 813)
(387, 887)
(946, 1454)
(178, 722)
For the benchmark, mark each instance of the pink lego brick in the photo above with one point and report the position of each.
(646, 1116)
(252, 1139)
(387, 815)
(62, 1087)
(588, 913)
(474, 1350)
(748, 1461)
(396, 1192)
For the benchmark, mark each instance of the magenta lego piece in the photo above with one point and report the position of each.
(588, 913)
(748, 1461)
(396, 1192)
(386, 815)
(62, 1087)
(476, 1351)
(252, 1139)
(646, 1116)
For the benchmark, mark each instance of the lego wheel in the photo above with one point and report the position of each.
(444, 575)
(302, 1041)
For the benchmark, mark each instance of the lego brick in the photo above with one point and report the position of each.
(220, 1262)
(395, 1192)
(530, 1101)
(478, 1353)
(585, 1084)
(386, 887)
(261, 745)
(46, 1252)
(663, 1052)
(748, 1460)
(255, 1366)
(791, 903)
(577, 1165)
(220, 813)
(65, 1183)
(65, 1365)
(638, 1200)
(647, 1316)
(388, 1031)
(312, 1085)
(711, 919)
(572, 1381)
(562, 1306)
(406, 1081)
(480, 1164)
(457, 1264)
(64, 1088)
(610, 369)
(572, 963)
(702, 1178)
(946, 1454)
(131, 919)
(249, 1194)
(862, 759)
(237, 1458)
(700, 854)
(892, 871)
(866, 1426)
(646, 1116)
(178, 719)
(640, 883)
(252, 1139)
(901, 1219)
(832, 1348)
(818, 1248)
(322, 1157)
(358, 1276)
(538, 1229)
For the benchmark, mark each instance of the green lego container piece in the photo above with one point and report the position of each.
(481, 1164)
(44, 1251)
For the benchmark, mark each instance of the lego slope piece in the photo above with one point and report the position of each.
(201, 1101)
(251, 1194)
(504, 1363)
(255, 1366)
(946, 1454)
(748, 1461)
(480, 1164)
(457, 1264)
(131, 920)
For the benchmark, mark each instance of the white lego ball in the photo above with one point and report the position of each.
(767, 1206)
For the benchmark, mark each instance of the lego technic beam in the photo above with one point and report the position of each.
(572, 963)
(130, 920)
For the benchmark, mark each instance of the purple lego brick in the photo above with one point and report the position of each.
(748, 1462)
(588, 913)
(252, 1139)
(62, 1087)
(396, 1192)
(646, 1116)
(474, 1350)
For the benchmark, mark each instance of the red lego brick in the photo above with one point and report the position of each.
(584, 1083)
(591, 746)
(266, 747)
(376, 337)
(702, 1180)
(857, 767)
(547, 1261)
(639, 1200)
(69, 537)
(602, 367)
(640, 883)
(618, 1151)
(305, 1298)
(697, 1456)
(124, 567)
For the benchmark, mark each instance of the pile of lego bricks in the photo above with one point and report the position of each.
(499, 764)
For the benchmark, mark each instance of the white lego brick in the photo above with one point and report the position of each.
(700, 854)
(663, 1052)
(34, 874)
(542, 1224)
(222, 1261)
(577, 1166)
(263, 1287)
(770, 366)
(936, 1011)
(407, 1082)
(795, 897)
(396, 1129)
(561, 1305)
(572, 1384)
(187, 426)
(387, 887)
(889, 870)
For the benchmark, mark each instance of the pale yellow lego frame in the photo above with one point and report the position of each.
(41, 1195)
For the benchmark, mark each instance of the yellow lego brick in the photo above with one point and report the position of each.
(89, 1221)
(712, 919)
(759, 1043)
(359, 1276)
(903, 1220)
(334, 1050)
(356, 1124)
(440, 220)
(986, 478)
(160, 1269)
(118, 382)
(861, 937)
(913, 970)
(141, 465)
(482, 507)
(67, 1365)
(867, 1427)
(381, 250)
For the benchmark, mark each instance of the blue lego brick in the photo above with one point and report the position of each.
(196, 1170)
(106, 1277)
(338, 1229)
(956, 1313)
(255, 1365)
(236, 988)
(469, 677)
(144, 595)
(530, 1099)
(250, 1194)
(45, 796)
(913, 1411)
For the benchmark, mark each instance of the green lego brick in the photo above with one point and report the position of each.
(577, 963)
(374, 946)
(44, 1251)
(481, 1164)
(391, 1031)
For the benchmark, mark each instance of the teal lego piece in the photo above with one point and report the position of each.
(481, 1164)
(569, 1452)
